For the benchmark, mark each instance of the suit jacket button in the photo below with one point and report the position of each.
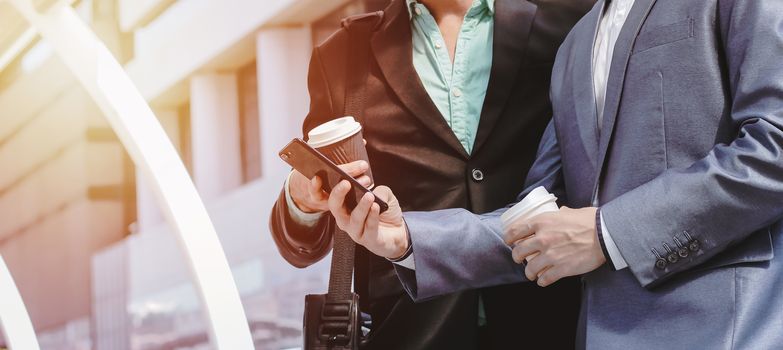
(683, 252)
(694, 246)
(660, 264)
(477, 175)
(673, 258)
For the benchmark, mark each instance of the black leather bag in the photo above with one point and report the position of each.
(331, 324)
(333, 320)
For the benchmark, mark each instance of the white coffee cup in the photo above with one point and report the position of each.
(538, 201)
(341, 141)
(333, 131)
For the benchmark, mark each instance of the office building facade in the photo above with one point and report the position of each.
(96, 263)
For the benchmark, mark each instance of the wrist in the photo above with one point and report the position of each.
(295, 185)
(404, 247)
(300, 204)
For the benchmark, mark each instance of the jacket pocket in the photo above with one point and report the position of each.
(663, 35)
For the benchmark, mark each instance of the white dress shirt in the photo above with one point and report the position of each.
(612, 20)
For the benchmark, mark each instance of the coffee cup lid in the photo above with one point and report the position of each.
(534, 199)
(333, 131)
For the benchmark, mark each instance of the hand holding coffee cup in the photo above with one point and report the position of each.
(342, 142)
(538, 201)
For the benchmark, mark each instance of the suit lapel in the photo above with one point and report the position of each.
(582, 84)
(614, 87)
(513, 21)
(393, 50)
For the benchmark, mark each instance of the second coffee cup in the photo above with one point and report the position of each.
(341, 141)
(537, 202)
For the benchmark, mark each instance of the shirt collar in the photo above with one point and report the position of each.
(490, 4)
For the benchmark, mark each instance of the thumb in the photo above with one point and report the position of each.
(384, 193)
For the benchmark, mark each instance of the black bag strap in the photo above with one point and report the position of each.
(360, 29)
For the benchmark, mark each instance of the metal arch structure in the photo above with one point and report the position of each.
(14, 320)
(134, 122)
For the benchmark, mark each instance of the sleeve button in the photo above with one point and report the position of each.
(673, 258)
(693, 244)
(660, 264)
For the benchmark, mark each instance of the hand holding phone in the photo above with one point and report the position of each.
(310, 163)
(308, 194)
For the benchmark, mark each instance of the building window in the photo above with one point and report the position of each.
(250, 144)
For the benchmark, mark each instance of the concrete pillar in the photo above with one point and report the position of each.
(283, 55)
(214, 120)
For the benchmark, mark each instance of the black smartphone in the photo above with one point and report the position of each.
(308, 161)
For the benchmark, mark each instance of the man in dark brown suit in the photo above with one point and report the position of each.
(441, 142)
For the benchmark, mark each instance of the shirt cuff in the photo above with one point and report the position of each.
(615, 257)
(407, 263)
(309, 220)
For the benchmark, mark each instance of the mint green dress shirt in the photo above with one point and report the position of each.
(457, 89)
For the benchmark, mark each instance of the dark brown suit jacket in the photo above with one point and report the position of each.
(413, 151)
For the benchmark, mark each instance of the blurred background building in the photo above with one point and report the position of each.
(96, 265)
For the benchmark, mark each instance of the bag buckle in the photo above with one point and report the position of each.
(336, 323)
